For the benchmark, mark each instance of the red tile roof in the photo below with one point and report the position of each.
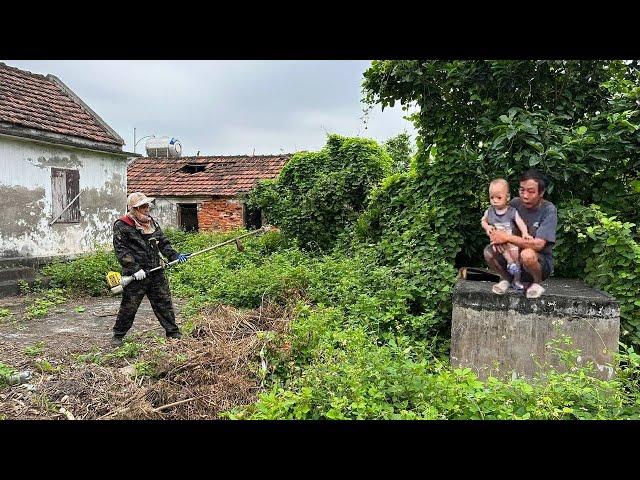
(35, 101)
(226, 176)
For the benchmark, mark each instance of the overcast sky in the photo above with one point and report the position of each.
(227, 107)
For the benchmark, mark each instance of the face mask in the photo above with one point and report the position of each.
(141, 217)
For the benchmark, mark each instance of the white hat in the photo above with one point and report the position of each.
(137, 199)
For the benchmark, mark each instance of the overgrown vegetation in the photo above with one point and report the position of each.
(40, 306)
(319, 194)
(367, 251)
(401, 151)
(85, 275)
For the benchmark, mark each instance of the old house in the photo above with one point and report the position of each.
(62, 170)
(203, 193)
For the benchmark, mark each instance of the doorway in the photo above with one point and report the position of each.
(188, 216)
(252, 218)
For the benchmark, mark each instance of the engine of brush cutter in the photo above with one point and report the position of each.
(113, 279)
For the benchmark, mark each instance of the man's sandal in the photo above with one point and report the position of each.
(535, 290)
(501, 287)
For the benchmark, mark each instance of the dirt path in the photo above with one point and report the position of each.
(79, 325)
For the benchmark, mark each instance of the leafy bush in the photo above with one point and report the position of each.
(401, 150)
(319, 194)
(604, 251)
(242, 279)
(85, 275)
(577, 121)
(348, 377)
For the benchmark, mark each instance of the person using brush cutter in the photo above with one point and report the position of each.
(138, 242)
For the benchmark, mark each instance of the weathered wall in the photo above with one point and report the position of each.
(165, 209)
(214, 213)
(220, 214)
(26, 203)
(500, 334)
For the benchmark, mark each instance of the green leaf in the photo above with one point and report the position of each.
(534, 160)
(498, 141)
(581, 130)
(505, 119)
(537, 145)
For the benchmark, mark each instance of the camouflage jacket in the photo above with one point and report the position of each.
(134, 252)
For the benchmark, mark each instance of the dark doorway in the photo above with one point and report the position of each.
(252, 218)
(188, 216)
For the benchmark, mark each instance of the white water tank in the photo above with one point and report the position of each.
(164, 147)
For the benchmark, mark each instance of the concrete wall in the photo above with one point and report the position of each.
(499, 335)
(26, 203)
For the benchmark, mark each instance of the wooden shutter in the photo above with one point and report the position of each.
(65, 186)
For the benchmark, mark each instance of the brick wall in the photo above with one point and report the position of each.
(220, 214)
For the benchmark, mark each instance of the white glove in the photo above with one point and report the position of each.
(139, 275)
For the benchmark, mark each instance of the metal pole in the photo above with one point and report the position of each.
(263, 229)
(134, 139)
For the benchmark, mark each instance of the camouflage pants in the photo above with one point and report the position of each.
(156, 287)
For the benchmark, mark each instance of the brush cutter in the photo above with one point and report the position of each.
(118, 282)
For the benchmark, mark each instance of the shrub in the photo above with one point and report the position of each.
(603, 251)
(85, 275)
(319, 194)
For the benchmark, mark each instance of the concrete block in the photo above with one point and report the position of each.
(506, 335)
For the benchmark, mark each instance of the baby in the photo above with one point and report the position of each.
(501, 216)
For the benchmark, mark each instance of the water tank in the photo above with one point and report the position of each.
(164, 147)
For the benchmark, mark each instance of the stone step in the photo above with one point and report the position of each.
(33, 262)
(16, 273)
(9, 288)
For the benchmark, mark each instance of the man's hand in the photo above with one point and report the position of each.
(140, 275)
(499, 237)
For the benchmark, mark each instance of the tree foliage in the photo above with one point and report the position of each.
(401, 150)
(319, 194)
(576, 121)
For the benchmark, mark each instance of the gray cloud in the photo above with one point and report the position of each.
(227, 107)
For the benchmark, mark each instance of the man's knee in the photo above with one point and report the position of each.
(529, 257)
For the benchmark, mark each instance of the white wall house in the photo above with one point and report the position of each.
(63, 174)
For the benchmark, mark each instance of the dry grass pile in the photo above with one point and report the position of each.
(215, 368)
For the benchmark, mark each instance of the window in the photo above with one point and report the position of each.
(65, 187)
